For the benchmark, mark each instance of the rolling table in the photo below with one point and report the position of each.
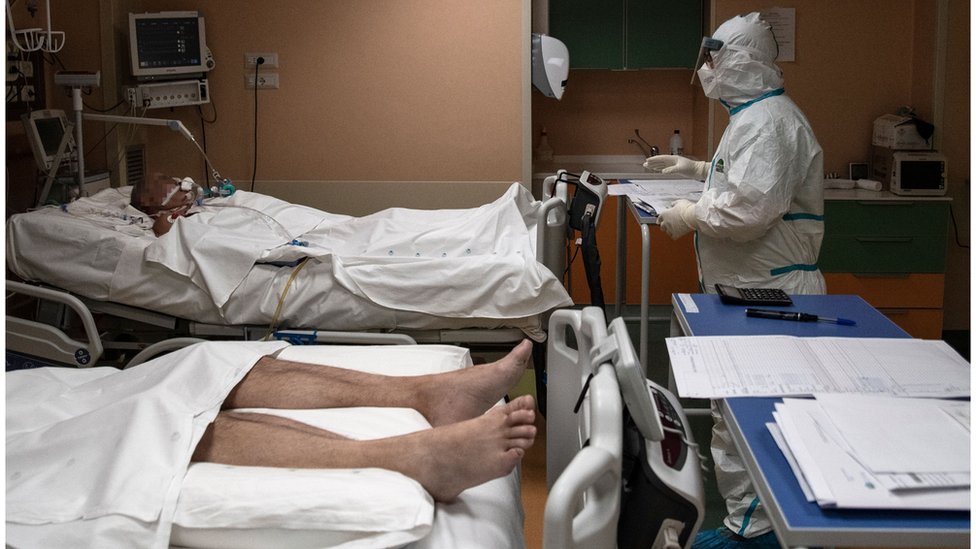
(644, 220)
(798, 522)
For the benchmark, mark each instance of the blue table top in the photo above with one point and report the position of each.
(717, 318)
(813, 524)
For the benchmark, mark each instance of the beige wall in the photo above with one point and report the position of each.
(376, 92)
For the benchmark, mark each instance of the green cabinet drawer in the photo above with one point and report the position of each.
(901, 236)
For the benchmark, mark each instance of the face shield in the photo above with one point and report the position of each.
(708, 46)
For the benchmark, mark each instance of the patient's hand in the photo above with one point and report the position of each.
(162, 225)
(164, 220)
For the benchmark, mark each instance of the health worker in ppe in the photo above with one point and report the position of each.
(758, 223)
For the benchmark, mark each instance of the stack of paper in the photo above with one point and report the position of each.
(656, 195)
(868, 440)
(878, 452)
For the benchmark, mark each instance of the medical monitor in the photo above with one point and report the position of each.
(45, 129)
(167, 44)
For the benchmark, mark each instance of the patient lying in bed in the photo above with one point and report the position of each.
(252, 259)
(164, 199)
(101, 454)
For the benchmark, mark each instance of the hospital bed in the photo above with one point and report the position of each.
(229, 506)
(95, 249)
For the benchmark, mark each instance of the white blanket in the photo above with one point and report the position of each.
(100, 454)
(477, 262)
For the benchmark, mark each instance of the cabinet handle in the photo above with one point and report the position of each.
(894, 312)
(881, 275)
(884, 239)
(885, 203)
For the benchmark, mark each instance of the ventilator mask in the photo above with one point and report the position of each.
(186, 185)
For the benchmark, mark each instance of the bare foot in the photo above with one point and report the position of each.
(467, 393)
(447, 460)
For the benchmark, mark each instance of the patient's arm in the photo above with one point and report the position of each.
(445, 460)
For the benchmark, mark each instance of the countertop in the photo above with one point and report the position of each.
(605, 166)
(632, 167)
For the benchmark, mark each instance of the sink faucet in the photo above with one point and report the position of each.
(644, 146)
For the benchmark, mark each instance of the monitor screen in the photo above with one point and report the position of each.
(167, 44)
(45, 129)
(922, 174)
(50, 131)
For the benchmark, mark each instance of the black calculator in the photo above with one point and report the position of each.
(752, 296)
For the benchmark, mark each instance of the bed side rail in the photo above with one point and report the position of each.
(551, 233)
(583, 506)
(584, 449)
(42, 340)
(308, 337)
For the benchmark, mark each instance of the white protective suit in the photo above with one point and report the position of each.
(760, 218)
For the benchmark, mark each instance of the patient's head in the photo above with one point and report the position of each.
(162, 194)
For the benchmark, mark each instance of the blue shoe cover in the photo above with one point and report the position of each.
(723, 538)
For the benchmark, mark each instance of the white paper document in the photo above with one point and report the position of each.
(731, 366)
(657, 195)
(836, 478)
(777, 435)
(900, 435)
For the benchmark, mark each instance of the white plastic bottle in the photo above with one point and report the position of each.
(676, 146)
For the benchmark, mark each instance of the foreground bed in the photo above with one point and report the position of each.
(74, 475)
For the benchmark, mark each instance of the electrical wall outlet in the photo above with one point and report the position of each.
(270, 59)
(265, 81)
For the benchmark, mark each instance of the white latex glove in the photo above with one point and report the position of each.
(679, 219)
(678, 165)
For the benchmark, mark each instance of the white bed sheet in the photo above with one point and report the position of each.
(89, 249)
(485, 516)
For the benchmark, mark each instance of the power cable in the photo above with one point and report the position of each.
(254, 172)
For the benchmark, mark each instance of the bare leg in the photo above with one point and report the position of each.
(441, 398)
(444, 460)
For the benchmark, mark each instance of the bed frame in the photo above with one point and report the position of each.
(584, 451)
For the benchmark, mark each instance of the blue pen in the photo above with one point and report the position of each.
(799, 317)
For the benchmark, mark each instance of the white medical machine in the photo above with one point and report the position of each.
(169, 56)
(550, 65)
(588, 196)
(49, 135)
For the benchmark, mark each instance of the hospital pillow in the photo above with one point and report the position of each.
(243, 507)
(233, 506)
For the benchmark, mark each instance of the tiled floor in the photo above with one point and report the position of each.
(534, 488)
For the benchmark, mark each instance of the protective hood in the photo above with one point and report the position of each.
(744, 68)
